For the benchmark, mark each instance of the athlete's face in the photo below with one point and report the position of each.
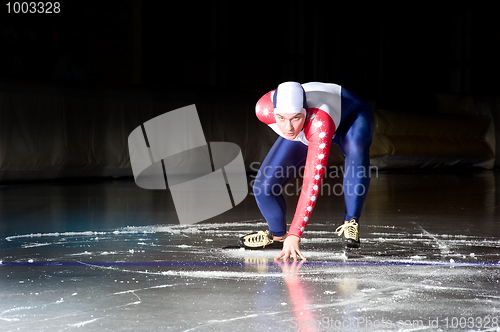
(290, 124)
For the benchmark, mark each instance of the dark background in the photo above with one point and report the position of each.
(58, 72)
(399, 54)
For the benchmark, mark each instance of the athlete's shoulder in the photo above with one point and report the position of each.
(322, 87)
(264, 109)
(326, 97)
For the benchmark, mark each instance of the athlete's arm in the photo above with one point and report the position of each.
(319, 130)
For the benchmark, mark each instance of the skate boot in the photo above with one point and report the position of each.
(350, 230)
(260, 240)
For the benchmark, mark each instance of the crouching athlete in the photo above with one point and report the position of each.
(308, 118)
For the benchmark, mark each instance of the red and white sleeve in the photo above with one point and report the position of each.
(319, 130)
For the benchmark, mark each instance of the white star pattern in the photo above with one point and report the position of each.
(262, 109)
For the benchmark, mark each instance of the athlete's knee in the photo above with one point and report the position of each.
(357, 149)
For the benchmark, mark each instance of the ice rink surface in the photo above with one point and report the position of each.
(109, 256)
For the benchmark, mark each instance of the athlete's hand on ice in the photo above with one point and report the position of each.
(290, 249)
